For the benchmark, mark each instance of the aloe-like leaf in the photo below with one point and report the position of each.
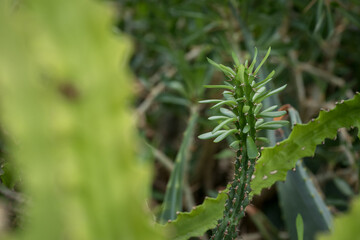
(218, 127)
(174, 189)
(271, 114)
(224, 135)
(219, 86)
(210, 101)
(227, 102)
(198, 221)
(298, 195)
(302, 143)
(227, 112)
(209, 135)
(263, 61)
(252, 150)
(217, 117)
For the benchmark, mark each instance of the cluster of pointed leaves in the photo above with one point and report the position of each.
(241, 115)
(241, 77)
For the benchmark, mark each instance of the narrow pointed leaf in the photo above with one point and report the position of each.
(258, 108)
(253, 61)
(271, 114)
(209, 135)
(272, 125)
(218, 127)
(258, 122)
(217, 117)
(263, 61)
(261, 92)
(210, 101)
(265, 81)
(270, 109)
(228, 71)
(219, 86)
(227, 112)
(270, 93)
(227, 102)
(224, 135)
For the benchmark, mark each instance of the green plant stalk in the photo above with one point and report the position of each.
(244, 100)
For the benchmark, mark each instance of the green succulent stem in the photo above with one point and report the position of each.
(241, 118)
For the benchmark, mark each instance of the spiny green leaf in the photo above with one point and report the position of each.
(224, 135)
(263, 61)
(252, 150)
(302, 143)
(199, 220)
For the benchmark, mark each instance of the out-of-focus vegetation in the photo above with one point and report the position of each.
(68, 167)
(65, 95)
